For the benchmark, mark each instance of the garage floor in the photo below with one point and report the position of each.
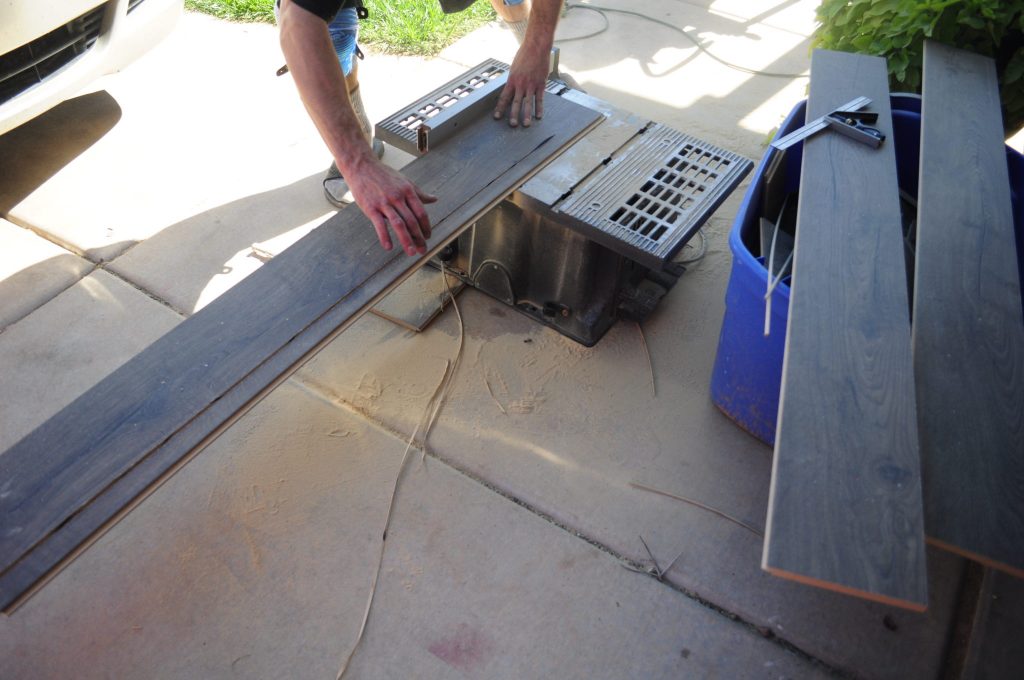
(515, 540)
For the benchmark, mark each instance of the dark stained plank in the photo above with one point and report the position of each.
(968, 335)
(845, 509)
(77, 472)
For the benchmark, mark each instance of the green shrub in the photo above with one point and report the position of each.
(896, 30)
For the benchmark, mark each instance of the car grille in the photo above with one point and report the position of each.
(33, 63)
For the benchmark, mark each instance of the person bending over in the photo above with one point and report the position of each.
(318, 41)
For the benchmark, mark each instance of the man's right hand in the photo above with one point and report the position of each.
(387, 197)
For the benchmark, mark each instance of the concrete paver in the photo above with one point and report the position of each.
(256, 560)
(69, 344)
(32, 270)
(582, 424)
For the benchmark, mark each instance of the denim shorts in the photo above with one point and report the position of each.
(343, 29)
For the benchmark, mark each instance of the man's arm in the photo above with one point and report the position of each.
(385, 196)
(524, 93)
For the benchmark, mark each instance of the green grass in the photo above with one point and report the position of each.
(395, 26)
(419, 26)
(235, 10)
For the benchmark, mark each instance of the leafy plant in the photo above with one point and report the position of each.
(896, 30)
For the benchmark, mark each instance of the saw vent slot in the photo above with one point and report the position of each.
(660, 204)
(657, 192)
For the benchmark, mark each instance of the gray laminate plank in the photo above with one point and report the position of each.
(845, 508)
(67, 479)
(968, 335)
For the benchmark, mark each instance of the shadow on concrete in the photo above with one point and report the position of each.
(187, 256)
(729, 110)
(37, 150)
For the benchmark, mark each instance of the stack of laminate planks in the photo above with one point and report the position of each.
(80, 471)
(872, 411)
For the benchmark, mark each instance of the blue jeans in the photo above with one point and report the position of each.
(343, 30)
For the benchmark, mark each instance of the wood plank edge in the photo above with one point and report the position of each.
(977, 557)
(911, 605)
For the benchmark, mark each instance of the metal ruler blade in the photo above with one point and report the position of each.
(816, 125)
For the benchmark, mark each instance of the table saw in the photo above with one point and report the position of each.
(595, 235)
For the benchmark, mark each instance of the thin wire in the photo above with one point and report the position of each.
(702, 250)
(650, 364)
(601, 10)
(435, 401)
(442, 392)
(588, 35)
(754, 530)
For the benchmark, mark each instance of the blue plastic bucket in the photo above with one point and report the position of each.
(748, 367)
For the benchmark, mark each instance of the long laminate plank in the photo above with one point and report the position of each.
(968, 335)
(74, 474)
(845, 509)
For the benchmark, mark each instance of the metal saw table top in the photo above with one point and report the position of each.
(640, 188)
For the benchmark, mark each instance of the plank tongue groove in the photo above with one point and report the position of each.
(968, 335)
(845, 509)
(79, 470)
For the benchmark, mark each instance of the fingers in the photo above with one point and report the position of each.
(380, 225)
(513, 114)
(503, 101)
(393, 204)
(523, 105)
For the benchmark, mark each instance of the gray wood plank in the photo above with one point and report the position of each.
(845, 510)
(968, 335)
(79, 470)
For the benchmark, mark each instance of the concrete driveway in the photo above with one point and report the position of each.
(513, 550)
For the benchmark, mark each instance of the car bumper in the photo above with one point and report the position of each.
(106, 36)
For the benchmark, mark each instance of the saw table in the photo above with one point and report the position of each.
(592, 237)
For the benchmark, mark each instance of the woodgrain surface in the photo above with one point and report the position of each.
(968, 335)
(74, 474)
(845, 509)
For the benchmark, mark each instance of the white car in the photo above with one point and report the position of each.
(51, 49)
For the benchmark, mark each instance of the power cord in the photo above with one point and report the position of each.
(603, 11)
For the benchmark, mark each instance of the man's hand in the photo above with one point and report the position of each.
(388, 198)
(523, 95)
(525, 87)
